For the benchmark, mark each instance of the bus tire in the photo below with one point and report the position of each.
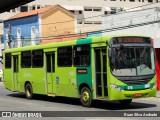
(29, 91)
(125, 102)
(86, 97)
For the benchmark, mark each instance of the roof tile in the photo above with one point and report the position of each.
(34, 12)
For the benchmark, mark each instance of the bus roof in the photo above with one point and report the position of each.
(87, 40)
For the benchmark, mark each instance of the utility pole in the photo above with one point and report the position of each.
(9, 35)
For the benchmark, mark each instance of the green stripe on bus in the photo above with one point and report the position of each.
(136, 87)
(84, 41)
(85, 78)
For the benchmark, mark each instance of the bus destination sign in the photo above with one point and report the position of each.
(131, 40)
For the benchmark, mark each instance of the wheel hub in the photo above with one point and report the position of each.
(85, 96)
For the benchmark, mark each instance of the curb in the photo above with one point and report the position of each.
(158, 94)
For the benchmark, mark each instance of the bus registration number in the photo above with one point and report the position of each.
(137, 95)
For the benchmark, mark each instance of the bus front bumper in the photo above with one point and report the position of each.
(119, 94)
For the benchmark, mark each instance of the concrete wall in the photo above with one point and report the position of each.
(58, 16)
(135, 22)
(95, 3)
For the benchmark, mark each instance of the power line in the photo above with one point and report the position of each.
(108, 30)
(98, 15)
(101, 15)
(95, 25)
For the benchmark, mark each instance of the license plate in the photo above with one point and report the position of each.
(137, 95)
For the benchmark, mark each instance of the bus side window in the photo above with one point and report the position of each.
(37, 58)
(26, 59)
(8, 60)
(82, 55)
(65, 56)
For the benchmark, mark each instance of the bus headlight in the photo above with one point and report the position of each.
(153, 86)
(116, 87)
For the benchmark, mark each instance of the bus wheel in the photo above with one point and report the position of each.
(86, 98)
(125, 102)
(29, 91)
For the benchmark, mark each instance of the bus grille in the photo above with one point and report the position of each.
(136, 82)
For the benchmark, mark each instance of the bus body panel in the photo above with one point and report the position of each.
(37, 80)
(66, 81)
(66, 84)
(8, 82)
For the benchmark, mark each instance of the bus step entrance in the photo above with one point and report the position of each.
(51, 94)
(101, 72)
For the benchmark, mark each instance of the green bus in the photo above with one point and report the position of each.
(93, 68)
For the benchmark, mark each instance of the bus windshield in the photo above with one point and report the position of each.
(132, 61)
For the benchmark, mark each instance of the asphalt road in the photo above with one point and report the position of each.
(13, 101)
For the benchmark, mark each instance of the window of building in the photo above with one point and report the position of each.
(88, 9)
(79, 22)
(80, 12)
(33, 7)
(26, 59)
(37, 58)
(113, 10)
(150, 0)
(23, 8)
(33, 35)
(8, 60)
(113, 0)
(105, 12)
(38, 6)
(19, 36)
(72, 11)
(65, 56)
(88, 22)
(82, 55)
(96, 9)
(132, 0)
(2, 39)
(97, 22)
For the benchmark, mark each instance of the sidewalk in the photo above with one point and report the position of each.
(158, 94)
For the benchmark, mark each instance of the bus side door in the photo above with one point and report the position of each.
(101, 72)
(50, 70)
(15, 72)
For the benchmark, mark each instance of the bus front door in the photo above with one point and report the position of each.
(101, 72)
(15, 72)
(50, 69)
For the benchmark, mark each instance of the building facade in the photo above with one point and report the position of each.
(30, 28)
(88, 12)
